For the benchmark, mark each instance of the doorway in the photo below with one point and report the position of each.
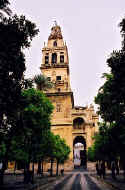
(79, 152)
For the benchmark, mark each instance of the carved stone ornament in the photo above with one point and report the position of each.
(55, 33)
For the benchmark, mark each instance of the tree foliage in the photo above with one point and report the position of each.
(110, 141)
(35, 124)
(56, 149)
(42, 82)
(4, 8)
(25, 113)
(16, 34)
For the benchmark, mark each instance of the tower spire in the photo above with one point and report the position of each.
(55, 32)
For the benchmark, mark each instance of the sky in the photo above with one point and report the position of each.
(90, 29)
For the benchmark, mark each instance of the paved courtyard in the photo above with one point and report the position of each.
(73, 179)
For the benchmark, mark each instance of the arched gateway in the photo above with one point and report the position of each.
(73, 123)
(79, 152)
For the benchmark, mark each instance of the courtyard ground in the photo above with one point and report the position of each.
(118, 184)
(74, 179)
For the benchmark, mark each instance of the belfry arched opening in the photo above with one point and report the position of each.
(79, 152)
(79, 123)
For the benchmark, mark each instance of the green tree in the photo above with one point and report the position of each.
(61, 152)
(91, 154)
(4, 8)
(42, 82)
(35, 122)
(51, 149)
(111, 101)
(56, 149)
(27, 83)
(16, 34)
(104, 143)
(44, 148)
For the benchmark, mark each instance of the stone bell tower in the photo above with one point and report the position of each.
(55, 62)
(76, 124)
(55, 65)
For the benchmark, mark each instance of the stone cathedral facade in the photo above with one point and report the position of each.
(73, 123)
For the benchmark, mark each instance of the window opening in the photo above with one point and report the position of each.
(59, 89)
(61, 58)
(58, 77)
(55, 43)
(46, 59)
(54, 58)
(78, 123)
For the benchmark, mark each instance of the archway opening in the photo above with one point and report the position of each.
(79, 152)
(78, 123)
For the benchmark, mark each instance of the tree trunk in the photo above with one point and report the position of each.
(26, 173)
(39, 167)
(122, 159)
(42, 168)
(4, 166)
(51, 169)
(15, 166)
(32, 173)
(33, 167)
(1, 118)
(1, 177)
(57, 168)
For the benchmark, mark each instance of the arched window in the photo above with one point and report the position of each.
(78, 123)
(54, 58)
(54, 43)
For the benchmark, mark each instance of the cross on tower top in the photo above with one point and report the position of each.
(55, 23)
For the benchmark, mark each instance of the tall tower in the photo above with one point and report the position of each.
(55, 65)
(55, 62)
(76, 124)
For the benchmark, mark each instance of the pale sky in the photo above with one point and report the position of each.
(90, 29)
